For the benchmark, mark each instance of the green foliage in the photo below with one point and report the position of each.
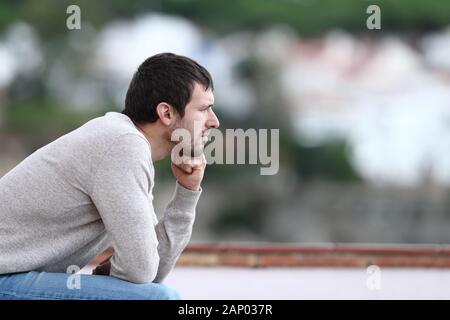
(310, 17)
(330, 161)
(307, 17)
(41, 122)
(163, 169)
(245, 215)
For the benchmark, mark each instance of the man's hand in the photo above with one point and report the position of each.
(103, 268)
(190, 173)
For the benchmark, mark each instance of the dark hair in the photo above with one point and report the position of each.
(165, 77)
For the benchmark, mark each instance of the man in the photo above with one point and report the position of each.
(92, 188)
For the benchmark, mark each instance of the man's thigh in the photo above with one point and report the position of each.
(61, 286)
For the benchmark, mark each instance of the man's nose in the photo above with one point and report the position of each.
(213, 121)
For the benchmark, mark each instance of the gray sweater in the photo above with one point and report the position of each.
(92, 188)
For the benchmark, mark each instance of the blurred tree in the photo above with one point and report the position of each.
(308, 17)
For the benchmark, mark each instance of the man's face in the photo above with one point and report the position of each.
(199, 117)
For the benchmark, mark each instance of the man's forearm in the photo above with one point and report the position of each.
(174, 229)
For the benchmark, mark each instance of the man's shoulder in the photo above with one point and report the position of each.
(113, 124)
(130, 141)
(111, 129)
(98, 137)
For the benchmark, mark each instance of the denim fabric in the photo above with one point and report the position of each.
(61, 286)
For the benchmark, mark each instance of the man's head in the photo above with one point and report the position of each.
(172, 92)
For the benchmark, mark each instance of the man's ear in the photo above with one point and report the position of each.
(166, 113)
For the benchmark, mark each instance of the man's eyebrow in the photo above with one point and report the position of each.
(206, 106)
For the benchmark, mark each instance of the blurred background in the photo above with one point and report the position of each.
(364, 115)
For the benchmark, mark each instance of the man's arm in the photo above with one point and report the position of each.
(143, 252)
(175, 227)
(120, 192)
(173, 232)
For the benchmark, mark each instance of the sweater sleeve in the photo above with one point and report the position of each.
(174, 229)
(143, 252)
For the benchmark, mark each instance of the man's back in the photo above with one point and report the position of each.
(48, 220)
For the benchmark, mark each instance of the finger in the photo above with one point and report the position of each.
(187, 168)
(197, 162)
(183, 168)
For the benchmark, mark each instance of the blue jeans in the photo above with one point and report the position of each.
(58, 286)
